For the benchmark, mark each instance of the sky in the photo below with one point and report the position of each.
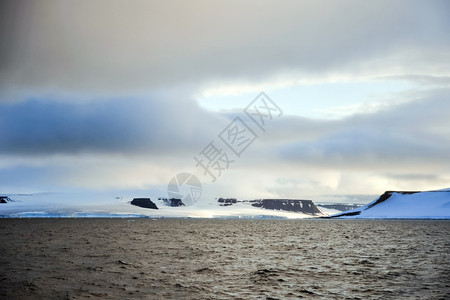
(109, 95)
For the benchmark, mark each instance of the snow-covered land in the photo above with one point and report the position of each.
(62, 205)
(404, 205)
(390, 205)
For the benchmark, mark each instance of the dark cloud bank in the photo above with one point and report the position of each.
(418, 131)
(40, 127)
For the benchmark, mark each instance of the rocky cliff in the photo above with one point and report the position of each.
(302, 206)
(144, 202)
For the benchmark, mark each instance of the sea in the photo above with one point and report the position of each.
(224, 259)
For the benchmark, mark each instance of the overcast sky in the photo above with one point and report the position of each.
(119, 95)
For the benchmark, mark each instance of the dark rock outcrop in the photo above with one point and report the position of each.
(173, 202)
(4, 199)
(144, 202)
(227, 201)
(303, 206)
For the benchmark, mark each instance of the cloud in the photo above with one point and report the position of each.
(112, 46)
(402, 146)
(124, 143)
(41, 127)
(409, 135)
(423, 79)
(101, 93)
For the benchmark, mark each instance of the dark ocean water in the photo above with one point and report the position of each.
(224, 259)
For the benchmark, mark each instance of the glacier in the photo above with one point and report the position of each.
(390, 205)
(67, 205)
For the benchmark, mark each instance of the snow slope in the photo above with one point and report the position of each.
(404, 205)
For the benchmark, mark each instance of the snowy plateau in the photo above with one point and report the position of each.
(390, 205)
